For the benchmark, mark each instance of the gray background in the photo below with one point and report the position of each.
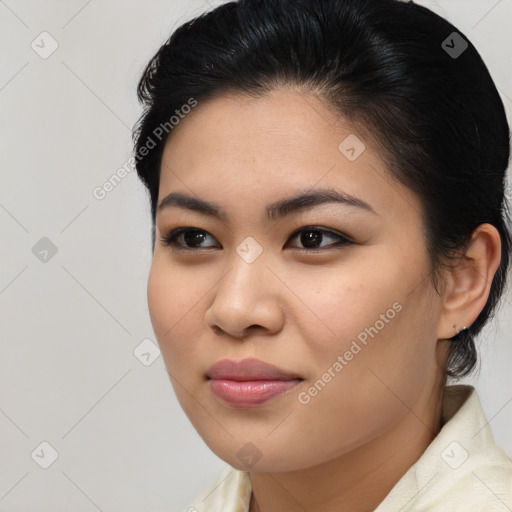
(71, 321)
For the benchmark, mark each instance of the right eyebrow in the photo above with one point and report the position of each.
(275, 210)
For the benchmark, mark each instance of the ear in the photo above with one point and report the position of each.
(468, 283)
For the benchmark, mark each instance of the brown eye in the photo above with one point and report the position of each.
(311, 236)
(185, 239)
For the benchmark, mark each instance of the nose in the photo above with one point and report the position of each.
(249, 297)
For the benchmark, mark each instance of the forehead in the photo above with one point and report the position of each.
(262, 149)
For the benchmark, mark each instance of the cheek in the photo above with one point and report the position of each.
(161, 299)
(368, 317)
(172, 302)
(342, 305)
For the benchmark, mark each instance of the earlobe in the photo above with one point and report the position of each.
(468, 283)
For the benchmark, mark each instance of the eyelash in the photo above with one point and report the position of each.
(170, 239)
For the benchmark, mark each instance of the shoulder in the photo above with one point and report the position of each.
(483, 484)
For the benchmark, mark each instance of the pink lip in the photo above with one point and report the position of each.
(249, 382)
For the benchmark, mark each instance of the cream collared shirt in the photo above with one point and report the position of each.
(462, 470)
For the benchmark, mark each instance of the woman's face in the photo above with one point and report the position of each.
(347, 306)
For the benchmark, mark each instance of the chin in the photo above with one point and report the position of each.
(248, 456)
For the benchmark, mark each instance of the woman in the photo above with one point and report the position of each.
(329, 236)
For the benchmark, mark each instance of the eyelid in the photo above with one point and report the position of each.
(316, 227)
(169, 239)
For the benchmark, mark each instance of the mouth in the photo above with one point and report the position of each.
(249, 382)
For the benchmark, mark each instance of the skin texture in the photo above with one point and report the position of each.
(349, 445)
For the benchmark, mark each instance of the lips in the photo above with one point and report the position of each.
(248, 369)
(249, 382)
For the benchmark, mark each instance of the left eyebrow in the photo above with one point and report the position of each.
(275, 210)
